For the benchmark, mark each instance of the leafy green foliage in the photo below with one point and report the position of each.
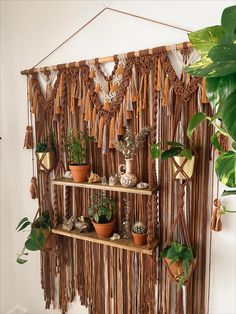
(48, 144)
(102, 208)
(76, 146)
(225, 167)
(35, 240)
(177, 252)
(176, 149)
(217, 47)
(227, 193)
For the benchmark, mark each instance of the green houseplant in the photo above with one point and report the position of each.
(182, 156)
(45, 151)
(39, 235)
(101, 211)
(139, 232)
(179, 260)
(217, 48)
(76, 146)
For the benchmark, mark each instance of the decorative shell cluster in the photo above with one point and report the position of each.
(129, 146)
(139, 228)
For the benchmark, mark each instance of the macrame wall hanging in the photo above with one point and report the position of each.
(142, 90)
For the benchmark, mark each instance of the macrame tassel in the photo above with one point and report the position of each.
(94, 117)
(165, 101)
(204, 98)
(72, 97)
(88, 113)
(57, 104)
(128, 100)
(216, 223)
(134, 92)
(106, 105)
(100, 132)
(159, 78)
(92, 73)
(34, 103)
(120, 130)
(34, 188)
(48, 89)
(144, 102)
(30, 92)
(112, 133)
(60, 88)
(28, 142)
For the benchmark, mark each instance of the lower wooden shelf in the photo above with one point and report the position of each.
(124, 244)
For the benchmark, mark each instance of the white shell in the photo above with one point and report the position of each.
(142, 185)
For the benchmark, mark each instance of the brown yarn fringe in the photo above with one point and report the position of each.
(204, 98)
(165, 101)
(34, 188)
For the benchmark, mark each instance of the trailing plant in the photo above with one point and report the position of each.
(48, 144)
(36, 239)
(174, 149)
(217, 48)
(139, 228)
(177, 252)
(76, 145)
(102, 208)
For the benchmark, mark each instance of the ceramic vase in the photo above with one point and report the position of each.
(128, 179)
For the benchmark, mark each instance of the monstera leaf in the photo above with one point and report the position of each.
(225, 167)
(218, 88)
(228, 114)
(206, 38)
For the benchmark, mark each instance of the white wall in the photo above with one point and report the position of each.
(29, 30)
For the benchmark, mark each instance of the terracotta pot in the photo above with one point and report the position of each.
(47, 160)
(79, 173)
(175, 270)
(188, 166)
(104, 230)
(48, 240)
(139, 239)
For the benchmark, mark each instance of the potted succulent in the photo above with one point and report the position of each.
(39, 238)
(180, 262)
(183, 157)
(44, 152)
(76, 146)
(101, 212)
(139, 232)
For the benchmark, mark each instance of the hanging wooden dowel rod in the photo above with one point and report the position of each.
(107, 59)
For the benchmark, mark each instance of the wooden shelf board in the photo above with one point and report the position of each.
(125, 244)
(99, 186)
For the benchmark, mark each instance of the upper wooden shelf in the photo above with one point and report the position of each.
(125, 244)
(106, 187)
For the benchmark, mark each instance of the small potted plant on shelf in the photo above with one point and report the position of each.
(101, 211)
(139, 232)
(183, 157)
(45, 151)
(180, 262)
(76, 146)
(40, 237)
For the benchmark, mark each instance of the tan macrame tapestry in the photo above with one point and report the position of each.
(145, 92)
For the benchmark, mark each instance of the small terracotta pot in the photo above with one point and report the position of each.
(175, 270)
(104, 230)
(79, 173)
(140, 238)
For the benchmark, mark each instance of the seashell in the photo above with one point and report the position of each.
(67, 175)
(142, 185)
(115, 236)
